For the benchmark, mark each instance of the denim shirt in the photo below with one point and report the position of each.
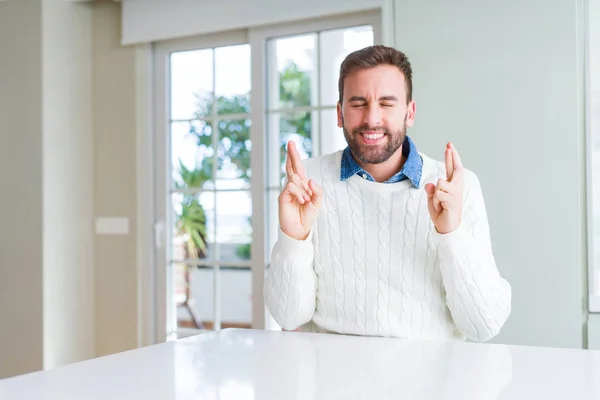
(412, 169)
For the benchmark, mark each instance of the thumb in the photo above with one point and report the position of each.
(317, 193)
(430, 190)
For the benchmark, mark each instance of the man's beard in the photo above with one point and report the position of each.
(374, 154)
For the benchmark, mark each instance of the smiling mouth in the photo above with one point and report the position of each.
(372, 136)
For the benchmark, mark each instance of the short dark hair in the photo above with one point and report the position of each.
(374, 56)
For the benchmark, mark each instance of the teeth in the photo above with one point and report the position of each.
(373, 136)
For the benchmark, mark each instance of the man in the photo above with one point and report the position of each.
(379, 239)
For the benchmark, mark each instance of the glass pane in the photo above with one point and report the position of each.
(194, 230)
(234, 154)
(194, 296)
(272, 213)
(234, 228)
(235, 297)
(335, 45)
(292, 72)
(191, 84)
(232, 79)
(283, 128)
(332, 137)
(192, 154)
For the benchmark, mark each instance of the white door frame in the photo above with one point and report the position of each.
(145, 236)
(152, 115)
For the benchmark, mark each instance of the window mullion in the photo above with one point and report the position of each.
(215, 167)
(319, 125)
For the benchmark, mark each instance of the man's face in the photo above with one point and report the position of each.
(374, 114)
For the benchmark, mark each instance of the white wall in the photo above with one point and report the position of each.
(46, 293)
(21, 176)
(114, 107)
(501, 80)
(68, 183)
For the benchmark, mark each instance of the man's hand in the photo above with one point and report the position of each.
(445, 198)
(300, 200)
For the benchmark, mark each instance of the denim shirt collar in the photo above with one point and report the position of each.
(412, 169)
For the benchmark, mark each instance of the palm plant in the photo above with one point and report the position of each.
(191, 221)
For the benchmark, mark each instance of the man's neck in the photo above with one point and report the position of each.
(383, 171)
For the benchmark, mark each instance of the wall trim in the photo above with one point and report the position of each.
(146, 293)
(593, 332)
(388, 23)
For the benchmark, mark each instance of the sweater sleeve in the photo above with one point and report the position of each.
(479, 299)
(290, 286)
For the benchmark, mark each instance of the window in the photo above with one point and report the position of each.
(225, 106)
(593, 128)
(210, 186)
(204, 187)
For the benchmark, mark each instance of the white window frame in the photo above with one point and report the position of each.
(591, 46)
(165, 316)
(153, 162)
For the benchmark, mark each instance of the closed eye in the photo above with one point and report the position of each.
(388, 101)
(357, 101)
(384, 101)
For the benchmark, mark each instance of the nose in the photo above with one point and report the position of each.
(372, 115)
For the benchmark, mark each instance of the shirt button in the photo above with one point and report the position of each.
(364, 175)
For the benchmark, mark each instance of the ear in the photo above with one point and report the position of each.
(410, 113)
(340, 117)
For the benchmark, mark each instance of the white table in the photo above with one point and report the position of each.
(246, 364)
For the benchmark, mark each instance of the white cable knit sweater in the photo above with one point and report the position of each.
(374, 264)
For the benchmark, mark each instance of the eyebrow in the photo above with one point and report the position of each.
(382, 98)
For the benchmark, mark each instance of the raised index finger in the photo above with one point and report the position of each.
(458, 165)
(296, 160)
(288, 166)
(448, 156)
